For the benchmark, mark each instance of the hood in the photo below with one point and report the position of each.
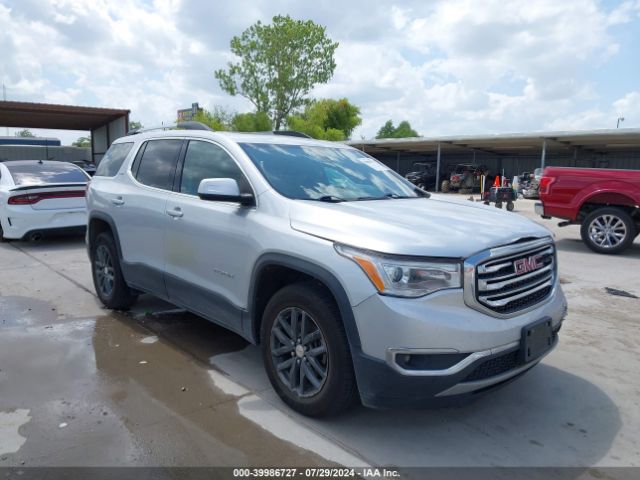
(436, 226)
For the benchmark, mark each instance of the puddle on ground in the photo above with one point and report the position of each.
(201, 338)
(172, 410)
(25, 311)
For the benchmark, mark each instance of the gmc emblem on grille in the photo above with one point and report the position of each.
(526, 265)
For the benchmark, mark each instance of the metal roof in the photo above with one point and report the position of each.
(64, 117)
(597, 141)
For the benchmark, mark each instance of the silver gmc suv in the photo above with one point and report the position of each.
(354, 282)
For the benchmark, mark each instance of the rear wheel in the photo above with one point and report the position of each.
(306, 352)
(109, 283)
(608, 230)
(510, 206)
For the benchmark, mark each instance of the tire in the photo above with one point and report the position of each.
(328, 394)
(445, 186)
(108, 281)
(498, 204)
(510, 206)
(608, 230)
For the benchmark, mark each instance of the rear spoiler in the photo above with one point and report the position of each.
(48, 185)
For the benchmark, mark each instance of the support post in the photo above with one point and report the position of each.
(438, 169)
(398, 162)
(544, 154)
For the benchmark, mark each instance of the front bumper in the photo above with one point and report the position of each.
(466, 352)
(382, 387)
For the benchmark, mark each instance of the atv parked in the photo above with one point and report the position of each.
(424, 175)
(465, 177)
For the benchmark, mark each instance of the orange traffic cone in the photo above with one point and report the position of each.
(496, 182)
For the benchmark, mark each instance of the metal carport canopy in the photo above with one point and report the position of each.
(60, 117)
(509, 143)
(105, 124)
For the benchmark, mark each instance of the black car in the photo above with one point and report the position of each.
(424, 175)
(87, 166)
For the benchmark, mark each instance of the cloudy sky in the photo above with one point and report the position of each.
(454, 66)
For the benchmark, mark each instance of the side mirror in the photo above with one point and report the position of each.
(223, 190)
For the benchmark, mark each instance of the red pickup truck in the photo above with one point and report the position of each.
(604, 202)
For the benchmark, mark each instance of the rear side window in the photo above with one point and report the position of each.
(35, 173)
(112, 160)
(158, 163)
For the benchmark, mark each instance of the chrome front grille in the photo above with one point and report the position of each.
(507, 280)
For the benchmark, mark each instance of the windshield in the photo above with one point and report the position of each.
(326, 173)
(34, 173)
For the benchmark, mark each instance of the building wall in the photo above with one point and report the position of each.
(102, 137)
(30, 141)
(513, 164)
(23, 152)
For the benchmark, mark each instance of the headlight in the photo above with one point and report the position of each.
(405, 276)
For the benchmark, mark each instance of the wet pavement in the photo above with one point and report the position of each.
(83, 386)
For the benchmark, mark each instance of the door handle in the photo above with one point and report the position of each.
(117, 201)
(175, 213)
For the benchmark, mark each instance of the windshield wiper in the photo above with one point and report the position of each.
(328, 198)
(386, 196)
(373, 198)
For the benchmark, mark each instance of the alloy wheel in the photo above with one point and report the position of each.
(299, 352)
(105, 273)
(607, 231)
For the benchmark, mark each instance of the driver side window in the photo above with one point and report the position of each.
(207, 160)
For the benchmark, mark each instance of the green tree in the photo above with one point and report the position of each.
(387, 130)
(403, 130)
(134, 125)
(84, 142)
(251, 122)
(218, 119)
(24, 133)
(279, 64)
(327, 119)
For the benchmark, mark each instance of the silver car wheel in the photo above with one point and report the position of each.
(105, 274)
(299, 352)
(607, 231)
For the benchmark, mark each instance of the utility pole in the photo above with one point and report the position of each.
(4, 99)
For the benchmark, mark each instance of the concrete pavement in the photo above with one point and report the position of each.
(81, 385)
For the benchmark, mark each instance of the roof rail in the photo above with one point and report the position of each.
(291, 133)
(173, 126)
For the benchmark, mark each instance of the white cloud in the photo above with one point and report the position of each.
(446, 66)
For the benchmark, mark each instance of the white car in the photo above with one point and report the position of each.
(39, 197)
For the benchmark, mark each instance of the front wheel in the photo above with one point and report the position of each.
(510, 206)
(306, 352)
(608, 230)
(108, 281)
(446, 186)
